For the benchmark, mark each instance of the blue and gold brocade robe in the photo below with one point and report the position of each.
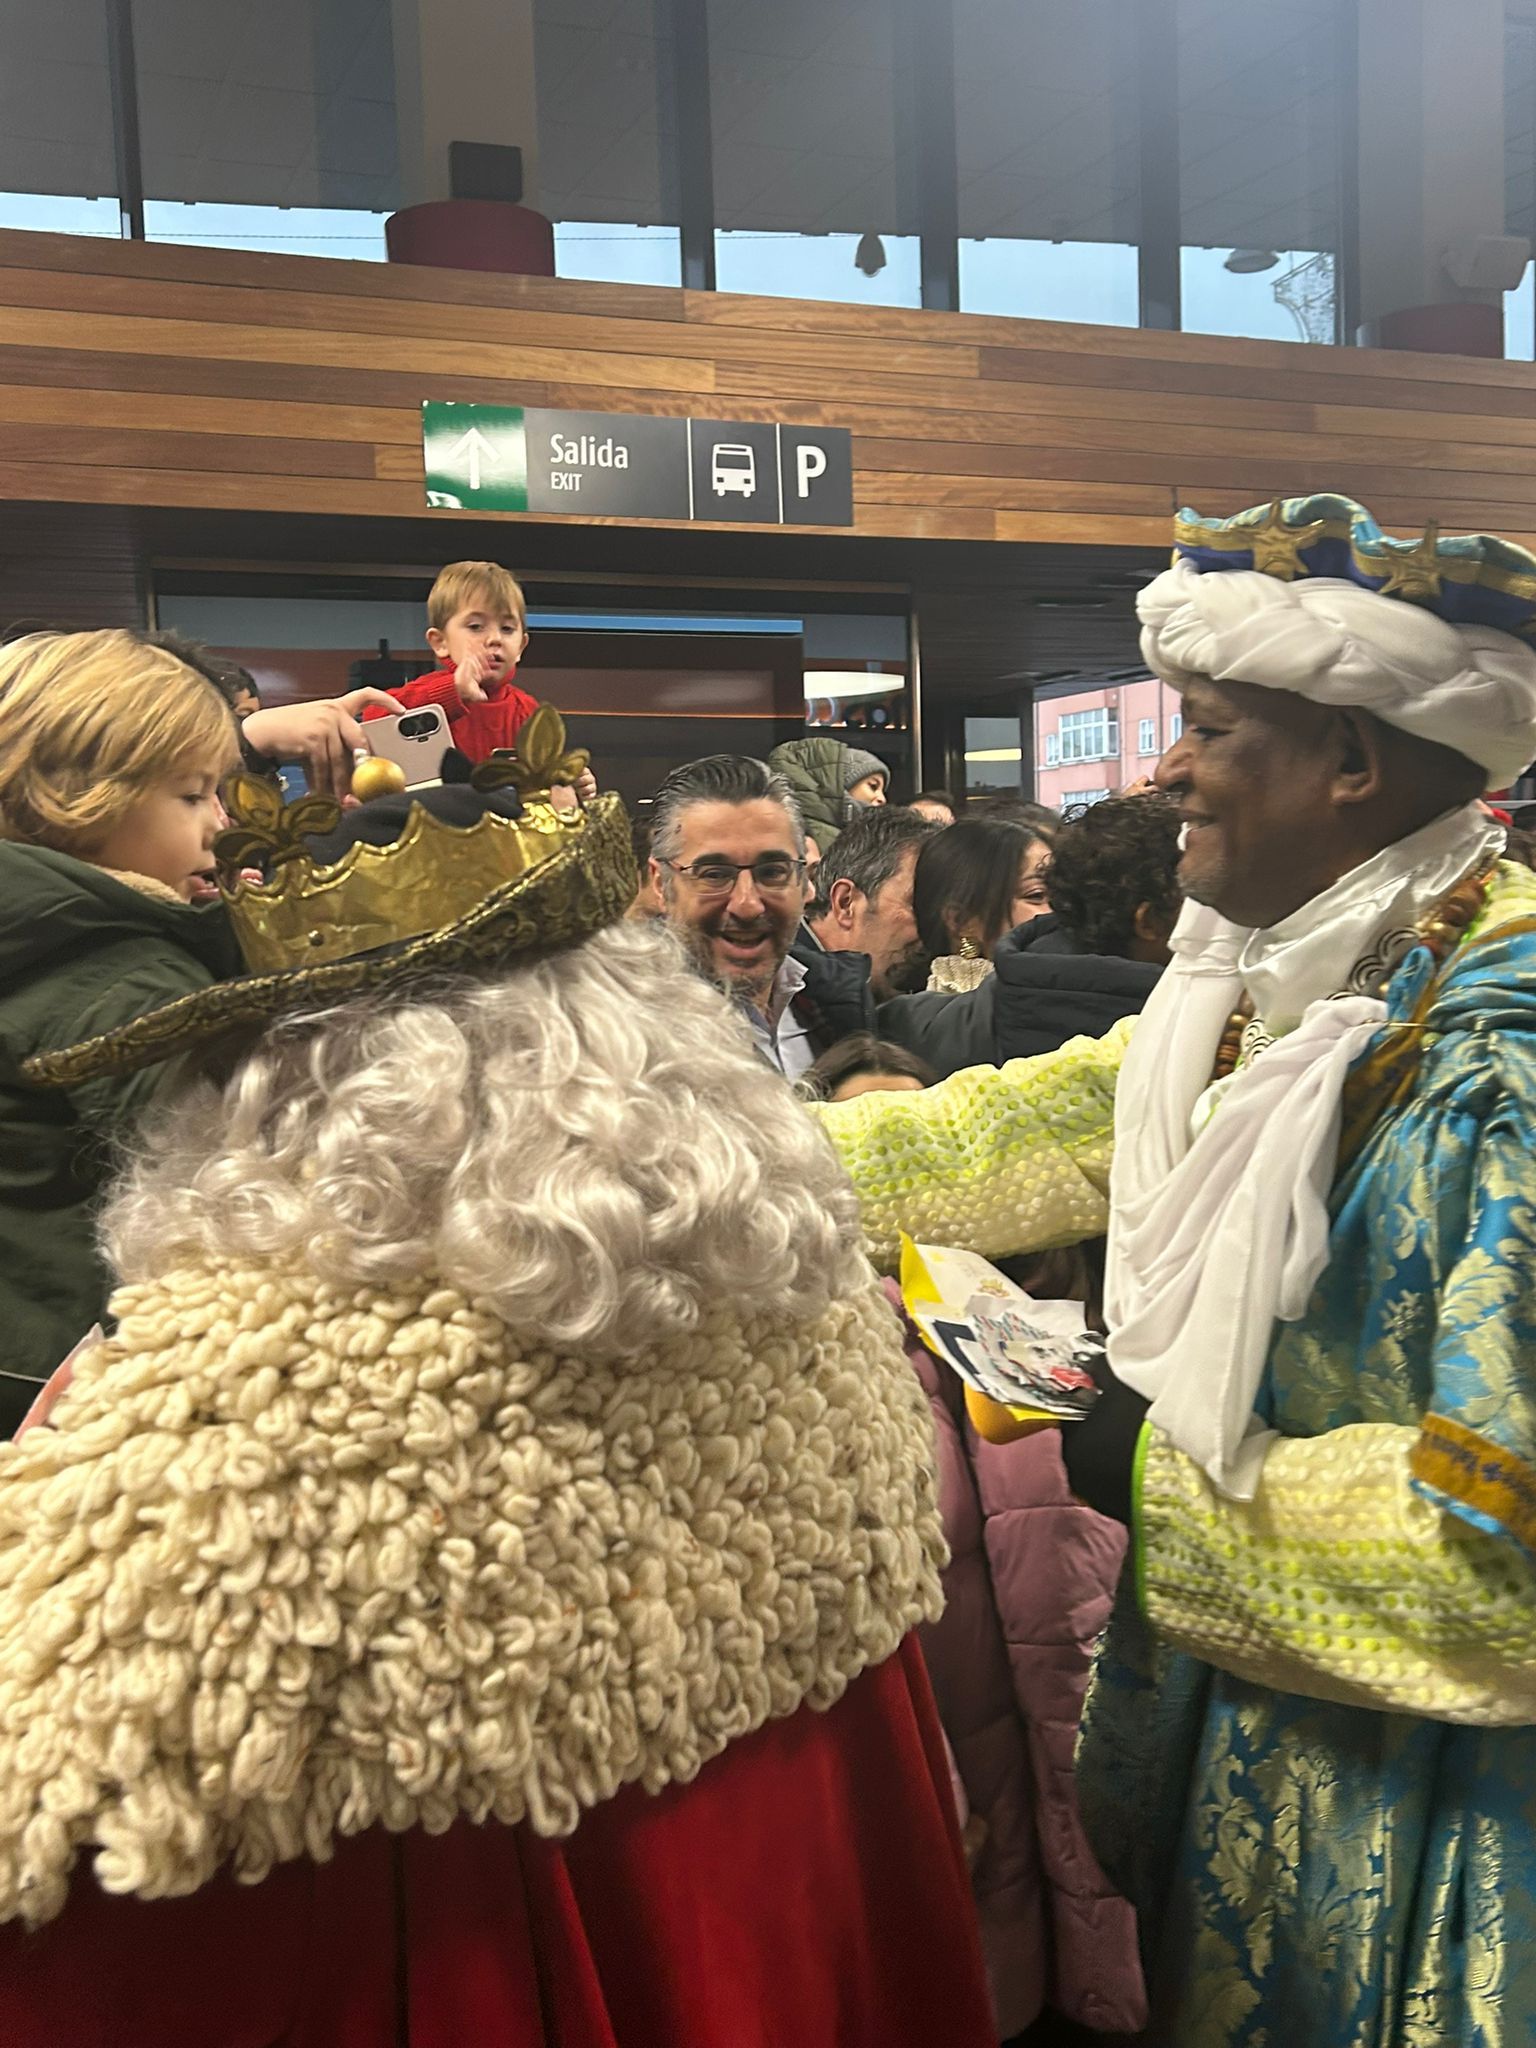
(1310, 1750)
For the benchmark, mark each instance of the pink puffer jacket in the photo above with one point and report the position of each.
(1029, 1588)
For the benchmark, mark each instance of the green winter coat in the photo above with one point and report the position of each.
(80, 952)
(814, 770)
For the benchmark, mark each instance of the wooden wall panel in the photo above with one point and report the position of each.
(150, 375)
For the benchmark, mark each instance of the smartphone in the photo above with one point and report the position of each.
(415, 740)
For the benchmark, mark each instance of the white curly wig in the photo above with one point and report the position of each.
(1470, 688)
(588, 1145)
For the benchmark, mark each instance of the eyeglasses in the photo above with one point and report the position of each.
(771, 875)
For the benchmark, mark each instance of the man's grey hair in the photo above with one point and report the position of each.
(717, 779)
(869, 852)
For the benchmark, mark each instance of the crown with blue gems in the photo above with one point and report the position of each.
(1472, 579)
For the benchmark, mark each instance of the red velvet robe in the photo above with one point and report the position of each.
(805, 1891)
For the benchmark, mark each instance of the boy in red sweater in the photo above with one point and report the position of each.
(477, 627)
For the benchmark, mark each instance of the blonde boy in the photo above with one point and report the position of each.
(111, 754)
(477, 627)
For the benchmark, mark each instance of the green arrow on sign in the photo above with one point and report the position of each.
(476, 457)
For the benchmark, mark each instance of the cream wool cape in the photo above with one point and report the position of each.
(299, 1559)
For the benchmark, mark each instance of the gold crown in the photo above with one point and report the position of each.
(433, 874)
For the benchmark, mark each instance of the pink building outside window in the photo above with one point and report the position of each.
(1092, 742)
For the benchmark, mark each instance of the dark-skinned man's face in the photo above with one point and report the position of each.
(1256, 776)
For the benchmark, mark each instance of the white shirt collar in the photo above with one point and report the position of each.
(780, 1035)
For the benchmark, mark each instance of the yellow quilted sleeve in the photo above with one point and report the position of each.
(995, 1160)
(1339, 1581)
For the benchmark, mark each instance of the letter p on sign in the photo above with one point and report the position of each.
(810, 463)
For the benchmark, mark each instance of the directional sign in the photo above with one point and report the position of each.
(476, 456)
(510, 458)
(605, 467)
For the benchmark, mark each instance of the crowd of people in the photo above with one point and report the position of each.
(485, 1554)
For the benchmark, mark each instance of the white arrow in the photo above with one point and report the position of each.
(478, 449)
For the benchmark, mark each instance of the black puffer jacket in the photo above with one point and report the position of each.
(1046, 990)
(836, 1000)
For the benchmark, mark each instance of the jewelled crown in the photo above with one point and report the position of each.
(1466, 579)
(307, 914)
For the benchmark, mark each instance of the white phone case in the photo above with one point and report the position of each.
(416, 740)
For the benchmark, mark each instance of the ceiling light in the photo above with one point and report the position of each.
(996, 754)
(854, 682)
(1245, 262)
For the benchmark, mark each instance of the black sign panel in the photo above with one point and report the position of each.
(607, 466)
(735, 470)
(816, 471)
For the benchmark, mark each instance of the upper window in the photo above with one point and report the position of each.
(56, 160)
(268, 127)
(1047, 149)
(1079, 799)
(1146, 736)
(1175, 727)
(1520, 177)
(602, 172)
(803, 110)
(1260, 185)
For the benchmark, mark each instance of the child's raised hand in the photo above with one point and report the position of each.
(470, 676)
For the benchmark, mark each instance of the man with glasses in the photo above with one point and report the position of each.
(728, 856)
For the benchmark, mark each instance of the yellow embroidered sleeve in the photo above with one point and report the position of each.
(1339, 1581)
(995, 1160)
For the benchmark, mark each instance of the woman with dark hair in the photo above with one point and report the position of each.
(1114, 896)
(975, 882)
(860, 1064)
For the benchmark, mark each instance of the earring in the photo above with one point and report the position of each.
(969, 950)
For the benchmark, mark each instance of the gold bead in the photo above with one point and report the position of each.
(377, 777)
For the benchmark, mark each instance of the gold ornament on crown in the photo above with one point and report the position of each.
(306, 915)
(1415, 573)
(1277, 547)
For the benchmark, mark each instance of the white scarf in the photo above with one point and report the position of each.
(1219, 1221)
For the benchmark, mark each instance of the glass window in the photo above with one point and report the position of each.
(1048, 155)
(1052, 749)
(56, 154)
(1175, 727)
(994, 756)
(1090, 735)
(803, 115)
(1520, 176)
(1079, 799)
(268, 127)
(1146, 736)
(1259, 135)
(605, 144)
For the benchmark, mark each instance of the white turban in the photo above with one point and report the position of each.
(1471, 688)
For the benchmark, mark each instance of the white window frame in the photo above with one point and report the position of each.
(1089, 735)
(1146, 737)
(1052, 749)
(1175, 728)
(1073, 798)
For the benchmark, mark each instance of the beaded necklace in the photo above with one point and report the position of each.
(1440, 929)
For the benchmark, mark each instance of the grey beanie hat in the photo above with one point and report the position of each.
(859, 764)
